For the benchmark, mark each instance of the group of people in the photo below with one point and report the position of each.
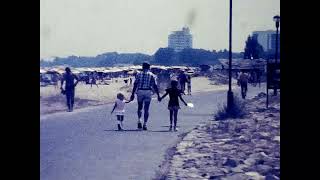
(143, 87)
(184, 79)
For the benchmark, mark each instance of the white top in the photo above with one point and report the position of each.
(120, 106)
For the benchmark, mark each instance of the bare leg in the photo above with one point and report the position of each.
(175, 113)
(171, 117)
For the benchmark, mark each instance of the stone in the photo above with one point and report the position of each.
(204, 174)
(255, 175)
(237, 169)
(250, 161)
(230, 162)
(272, 177)
(243, 139)
(264, 134)
(263, 169)
(215, 177)
(238, 176)
(277, 138)
(226, 171)
(271, 115)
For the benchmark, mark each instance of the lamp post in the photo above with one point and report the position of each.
(230, 102)
(276, 19)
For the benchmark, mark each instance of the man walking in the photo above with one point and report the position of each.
(69, 77)
(189, 84)
(244, 78)
(182, 81)
(143, 85)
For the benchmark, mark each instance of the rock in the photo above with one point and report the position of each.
(215, 177)
(226, 171)
(230, 162)
(243, 139)
(255, 175)
(271, 115)
(263, 169)
(250, 161)
(238, 176)
(277, 138)
(237, 169)
(264, 134)
(275, 171)
(272, 177)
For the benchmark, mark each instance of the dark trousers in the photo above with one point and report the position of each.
(183, 86)
(70, 98)
(244, 89)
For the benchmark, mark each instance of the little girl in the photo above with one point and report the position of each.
(173, 105)
(119, 109)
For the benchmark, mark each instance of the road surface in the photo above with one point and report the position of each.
(84, 144)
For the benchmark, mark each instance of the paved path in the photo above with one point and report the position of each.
(84, 144)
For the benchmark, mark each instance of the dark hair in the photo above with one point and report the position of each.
(145, 65)
(174, 83)
(120, 95)
(68, 70)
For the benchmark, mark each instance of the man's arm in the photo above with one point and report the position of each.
(62, 80)
(135, 85)
(77, 80)
(155, 87)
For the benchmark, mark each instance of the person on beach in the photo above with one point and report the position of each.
(119, 108)
(189, 84)
(259, 77)
(182, 81)
(243, 79)
(69, 89)
(143, 86)
(93, 80)
(173, 106)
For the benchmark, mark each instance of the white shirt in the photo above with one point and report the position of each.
(120, 106)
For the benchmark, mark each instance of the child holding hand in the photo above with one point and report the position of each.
(173, 106)
(119, 108)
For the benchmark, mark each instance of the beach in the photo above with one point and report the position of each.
(51, 100)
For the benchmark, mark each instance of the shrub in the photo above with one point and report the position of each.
(237, 111)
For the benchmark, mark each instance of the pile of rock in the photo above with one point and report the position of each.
(232, 149)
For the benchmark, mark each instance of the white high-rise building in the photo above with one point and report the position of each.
(179, 40)
(267, 39)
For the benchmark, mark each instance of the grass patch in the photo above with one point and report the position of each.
(237, 111)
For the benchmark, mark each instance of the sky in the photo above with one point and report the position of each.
(92, 27)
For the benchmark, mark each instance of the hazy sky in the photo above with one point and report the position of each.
(91, 27)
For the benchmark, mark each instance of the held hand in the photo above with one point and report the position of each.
(186, 104)
(132, 97)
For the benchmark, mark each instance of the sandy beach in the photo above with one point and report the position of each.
(51, 100)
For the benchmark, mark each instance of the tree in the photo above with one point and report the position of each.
(164, 56)
(253, 49)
